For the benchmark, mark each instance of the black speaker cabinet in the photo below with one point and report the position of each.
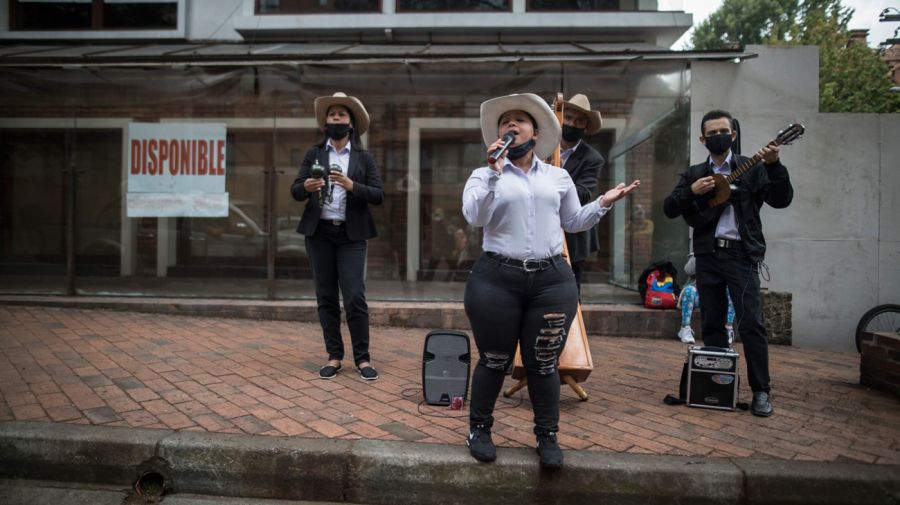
(445, 366)
(712, 378)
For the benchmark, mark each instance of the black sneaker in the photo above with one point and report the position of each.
(548, 450)
(481, 447)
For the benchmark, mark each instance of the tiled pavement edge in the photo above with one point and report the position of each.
(259, 377)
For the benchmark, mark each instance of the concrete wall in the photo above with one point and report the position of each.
(214, 19)
(837, 247)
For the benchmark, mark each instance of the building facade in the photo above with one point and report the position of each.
(77, 74)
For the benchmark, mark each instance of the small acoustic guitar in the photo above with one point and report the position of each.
(725, 183)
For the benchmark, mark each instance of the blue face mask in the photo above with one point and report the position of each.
(517, 152)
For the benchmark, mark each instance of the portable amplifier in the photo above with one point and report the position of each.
(445, 366)
(712, 378)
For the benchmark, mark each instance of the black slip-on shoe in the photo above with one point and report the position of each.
(329, 372)
(481, 447)
(761, 405)
(548, 449)
(368, 373)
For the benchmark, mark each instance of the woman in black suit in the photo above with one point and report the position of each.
(337, 223)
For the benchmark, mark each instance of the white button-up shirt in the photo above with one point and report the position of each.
(522, 212)
(565, 153)
(727, 225)
(336, 208)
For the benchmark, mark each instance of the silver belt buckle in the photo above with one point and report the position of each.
(337, 222)
(526, 269)
(723, 243)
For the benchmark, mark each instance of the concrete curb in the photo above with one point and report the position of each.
(378, 472)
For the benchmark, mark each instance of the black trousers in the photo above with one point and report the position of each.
(733, 269)
(337, 261)
(507, 306)
(578, 269)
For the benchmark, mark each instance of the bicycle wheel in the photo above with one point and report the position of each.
(883, 318)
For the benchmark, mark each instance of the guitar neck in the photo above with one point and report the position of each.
(747, 164)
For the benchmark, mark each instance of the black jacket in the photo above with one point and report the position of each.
(584, 167)
(761, 183)
(366, 189)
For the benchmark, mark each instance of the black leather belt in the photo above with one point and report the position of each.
(527, 265)
(335, 222)
(725, 243)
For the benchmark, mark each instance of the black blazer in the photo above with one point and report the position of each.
(584, 167)
(760, 184)
(366, 189)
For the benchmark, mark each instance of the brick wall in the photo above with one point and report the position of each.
(879, 366)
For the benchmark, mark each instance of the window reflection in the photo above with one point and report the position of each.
(580, 5)
(94, 14)
(449, 244)
(453, 5)
(645, 136)
(316, 6)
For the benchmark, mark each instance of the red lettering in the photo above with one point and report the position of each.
(193, 157)
(220, 165)
(185, 157)
(202, 161)
(163, 155)
(151, 145)
(143, 157)
(135, 157)
(173, 157)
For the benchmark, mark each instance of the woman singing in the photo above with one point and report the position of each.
(521, 290)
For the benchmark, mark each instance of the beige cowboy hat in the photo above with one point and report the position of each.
(547, 124)
(580, 103)
(360, 116)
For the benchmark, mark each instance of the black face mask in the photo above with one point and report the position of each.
(337, 131)
(572, 134)
(517, 152)
(718, 144)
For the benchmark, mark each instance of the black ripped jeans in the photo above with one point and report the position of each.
(507, 306)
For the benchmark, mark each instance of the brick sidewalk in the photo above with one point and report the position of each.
(259, 377)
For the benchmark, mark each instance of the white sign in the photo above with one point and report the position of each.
(176, 170)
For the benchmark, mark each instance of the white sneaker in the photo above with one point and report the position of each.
(686, 335)
(730, 331)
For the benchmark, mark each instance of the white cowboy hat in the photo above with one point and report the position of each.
(580, 103)
(360, 116)
(547, 124)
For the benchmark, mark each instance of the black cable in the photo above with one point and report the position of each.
(410, 393)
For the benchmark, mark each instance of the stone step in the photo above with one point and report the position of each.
(612, 320)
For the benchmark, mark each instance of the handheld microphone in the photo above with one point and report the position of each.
(507, 140)
(317, 171)
(334, 168)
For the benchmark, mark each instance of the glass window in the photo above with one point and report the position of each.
(51, 15)
(316, 6)
(94, 14)
(448, 244)
(574, 5)
(453, 5)
(140, 15)
(98, 211)
(32, 202)
(424, 137)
